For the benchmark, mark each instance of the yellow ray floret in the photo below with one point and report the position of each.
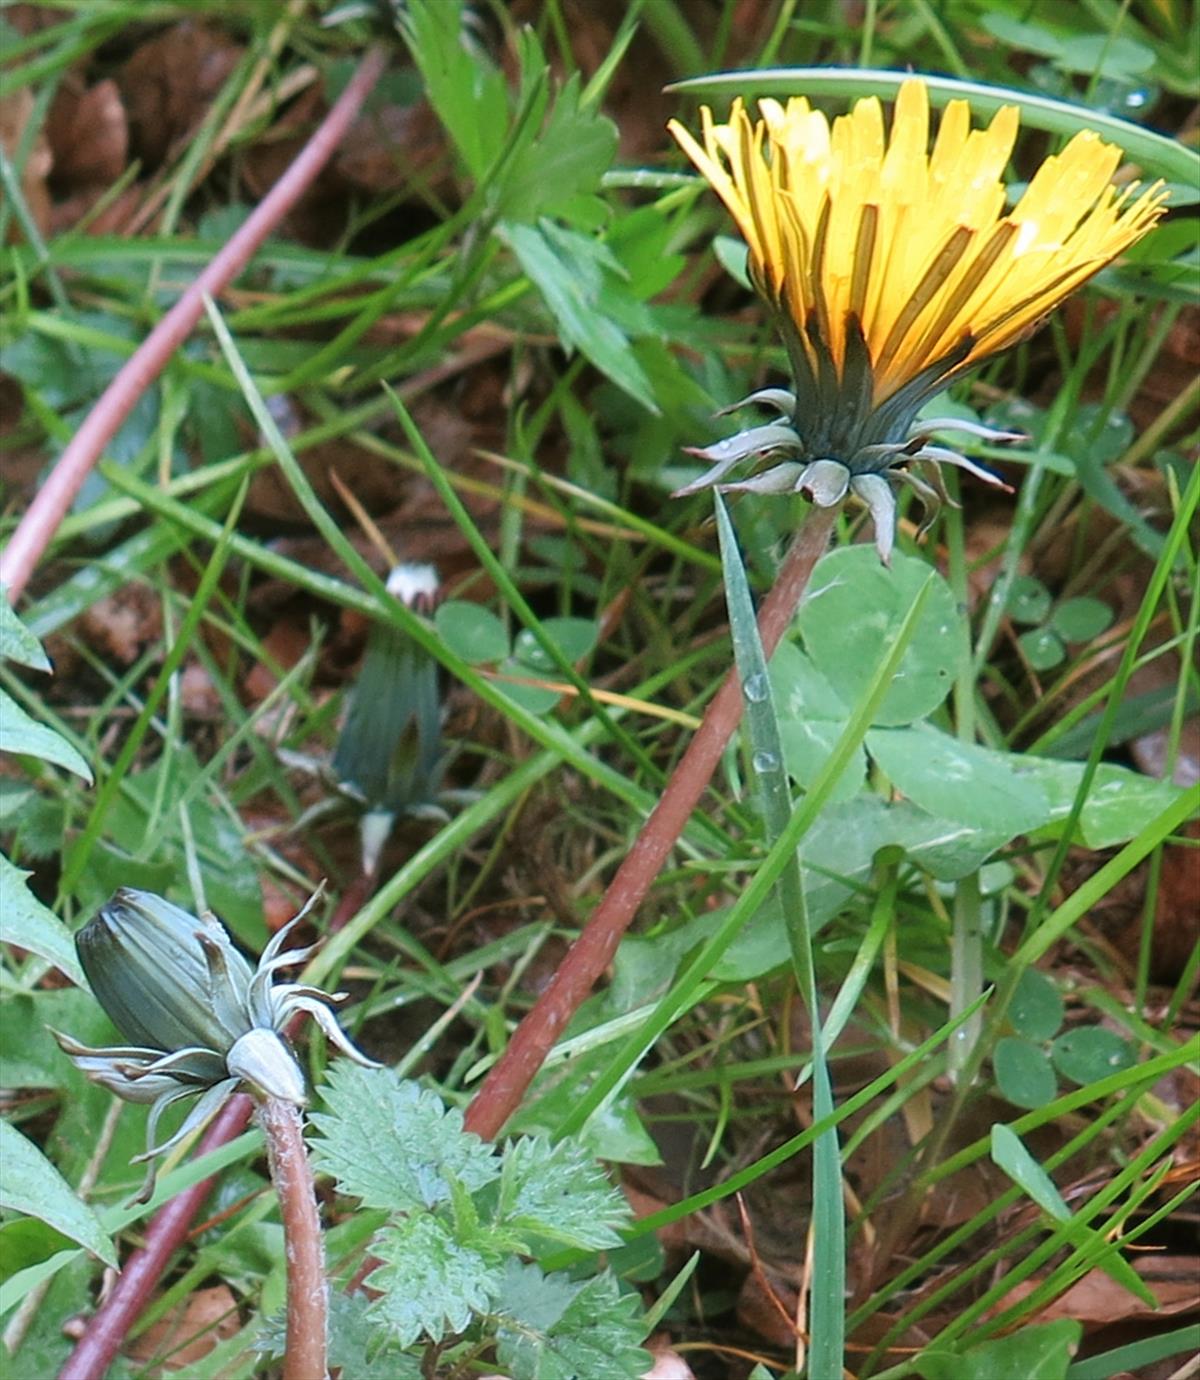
(916, 244)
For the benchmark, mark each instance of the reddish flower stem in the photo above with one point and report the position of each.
(307, 1289)
(42, 519)
(592, 952)
(110, 1324)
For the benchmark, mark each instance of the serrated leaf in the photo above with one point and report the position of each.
(29, 1183)
(566, 160)
(569, 271)
(553, 1329)
(24, 921)
(393, 1144)
(20, 733)
(559, 1192)
(430, 1284)
(17, 643)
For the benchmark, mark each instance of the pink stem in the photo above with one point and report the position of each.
(37, 528)
(307, 1289)
(592, 952)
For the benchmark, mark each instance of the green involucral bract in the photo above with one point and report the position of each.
(198, 1018)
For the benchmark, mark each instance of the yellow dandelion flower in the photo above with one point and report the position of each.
(891, 269)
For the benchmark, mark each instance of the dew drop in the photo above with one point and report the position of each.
(765, 761)
(755, 688)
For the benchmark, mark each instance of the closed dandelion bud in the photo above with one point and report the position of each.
(890, 270)
(199, 1019)
(390, 756)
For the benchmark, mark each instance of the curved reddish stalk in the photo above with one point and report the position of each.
(592, 952)
(37, 527)
(109, 1325)
(307, 1290)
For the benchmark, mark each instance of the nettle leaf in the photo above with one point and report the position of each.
(550, 1328)
(21, 734)
(430, 1284)
(24, 921)
(393, 1144)
(29, 1183)
(560, 1193)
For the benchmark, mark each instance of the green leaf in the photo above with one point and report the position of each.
(1042, 648)
(560, 1193)
(1120, 802)
(958, 780)
(534, 699)
(575, 638)
(24, 921)
(1089, 1053)
(854, 607)
(1010, 1154)
(553, 1329)
(1023, 1073)
(811, 719)
(430, 1284)
(21, 734)
(1036, 1009)
(1028, 600)
(392, 1144)
(565, 161)
(17, 643)
(29, 1183)
(469, 95)
(572, 273)
(1039, 1351)
(471, 632)
(1079, 620)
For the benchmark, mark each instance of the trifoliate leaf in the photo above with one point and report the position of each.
(430, 1285)
(392, 1144)
(560, 1193)
(553, 1329)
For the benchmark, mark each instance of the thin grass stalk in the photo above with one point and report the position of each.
(307, 1287)
(42, 519)
(592, 952)
(826, 1341)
